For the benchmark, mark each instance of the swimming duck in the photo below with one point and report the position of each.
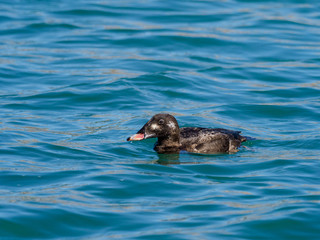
(172, 139)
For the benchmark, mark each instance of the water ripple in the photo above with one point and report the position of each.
(76, 81)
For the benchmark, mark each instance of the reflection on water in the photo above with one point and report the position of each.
(167, 159)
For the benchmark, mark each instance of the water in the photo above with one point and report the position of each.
(76, 79)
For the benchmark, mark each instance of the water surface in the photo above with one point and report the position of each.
(76, 79)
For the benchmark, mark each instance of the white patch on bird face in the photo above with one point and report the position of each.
(154, 126)
(171, 125)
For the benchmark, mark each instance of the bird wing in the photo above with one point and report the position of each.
(204, 140)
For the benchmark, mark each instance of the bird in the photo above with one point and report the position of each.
(173, 139)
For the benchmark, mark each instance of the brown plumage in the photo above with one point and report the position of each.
(172, 139)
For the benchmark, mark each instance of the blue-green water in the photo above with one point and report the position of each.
(78, 77)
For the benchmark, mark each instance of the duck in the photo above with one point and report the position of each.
(173, 139)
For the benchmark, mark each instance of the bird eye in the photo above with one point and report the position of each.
(161, 121)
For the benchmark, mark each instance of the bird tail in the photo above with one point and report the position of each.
(246, 138)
